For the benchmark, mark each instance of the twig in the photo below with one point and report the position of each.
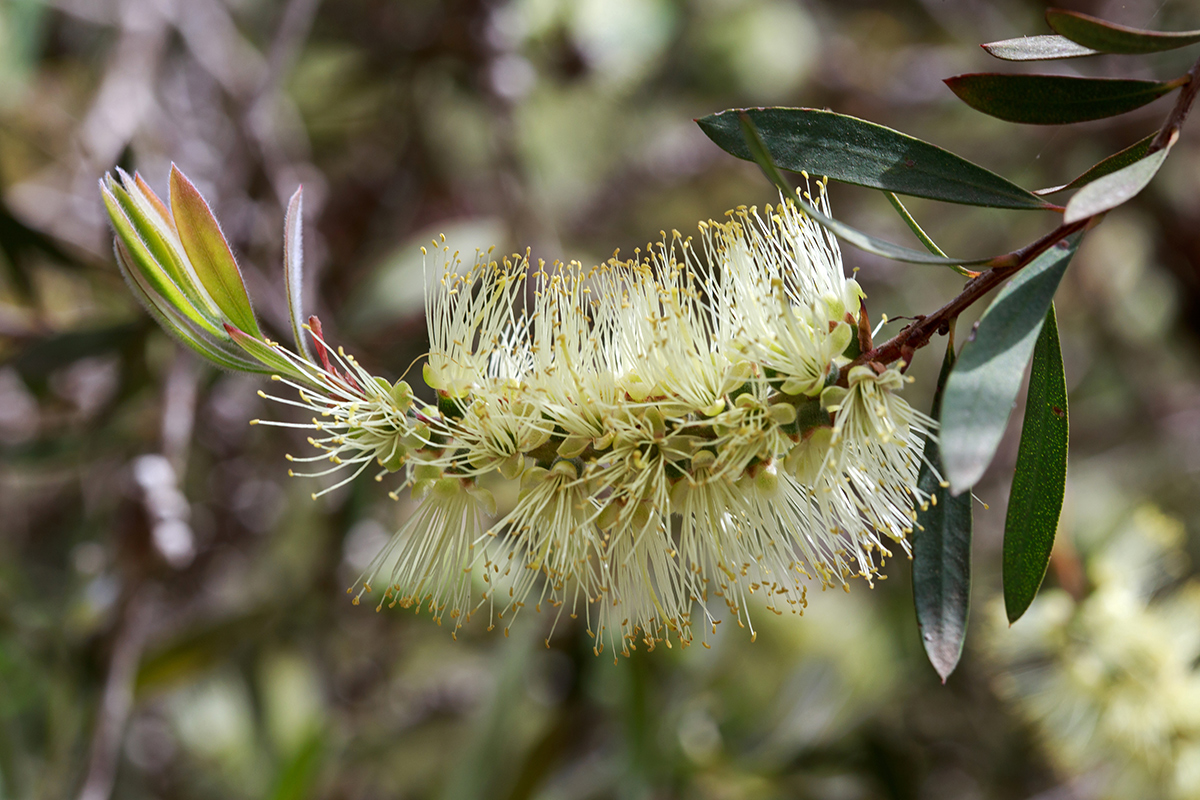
(918, 334)
(1179, 113)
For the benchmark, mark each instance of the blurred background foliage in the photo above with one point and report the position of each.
(173, 620)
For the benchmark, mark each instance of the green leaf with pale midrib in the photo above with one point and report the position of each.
(1039, 482)
(761, 156)
(983, 386)
(1109, 37)
(941, 567)
(1054, 99)
(852, 150)
(1110, 191)
(1037, 48)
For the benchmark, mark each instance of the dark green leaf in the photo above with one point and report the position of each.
(1114, 189)
(1037, 48)
(759, 153)
(941, 566)
(1054, 99)
(1109, 165)
(984, 384)
(852, 150)
(1040, 480)
(1108, 37)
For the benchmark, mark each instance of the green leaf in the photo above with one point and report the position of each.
(941, 566)
(1040, 480)
(143, 262)
(1037, 48)
(293, 268)
(760, 155)
(266, 354)
(1108, 37)
(209, 253)
(1112, 190)
(1054, 99)
(162, 244)
(173, 322)
(855, 151)
(984, 384)
(1109, 165)
(920, 233)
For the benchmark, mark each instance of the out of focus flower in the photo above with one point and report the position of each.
(684, 425)
(1111, 682)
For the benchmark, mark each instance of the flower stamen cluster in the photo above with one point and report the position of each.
(673, 422)
(678, 427)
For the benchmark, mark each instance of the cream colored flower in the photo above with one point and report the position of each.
(683, 427)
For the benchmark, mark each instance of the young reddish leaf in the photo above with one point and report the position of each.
(852, 150)
(1109, 37)
(1040, 479)
(164, 246)
(1054, 99)
(1114, 189)
(1109, 165)
(209, 253)
(1037, 48)
(143, 261)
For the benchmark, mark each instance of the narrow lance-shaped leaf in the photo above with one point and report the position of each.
(852, 150)
(153, 199)
(293, 268)
(1037, 48)
(1112, 190)
(144, 216)
(1109, 37)
(174, 323)
(143, 261)
(761, 156)
(941, 565)
(1116, 161)
(209, 253)
(920, 233)
(984, 384)
(1040, 479)
(266, 354)
(1054, 99)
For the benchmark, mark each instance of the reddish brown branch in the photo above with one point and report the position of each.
(918, 333)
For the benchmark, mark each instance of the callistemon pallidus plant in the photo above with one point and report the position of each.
(683, 426)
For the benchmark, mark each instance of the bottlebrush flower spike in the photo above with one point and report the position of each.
(678, 426)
